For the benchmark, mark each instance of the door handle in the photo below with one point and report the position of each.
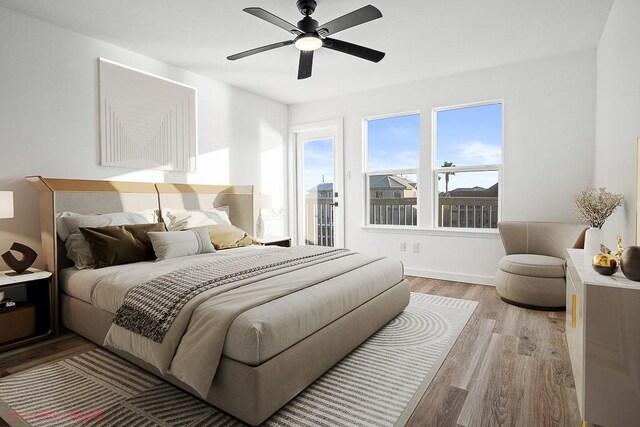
(335, 204)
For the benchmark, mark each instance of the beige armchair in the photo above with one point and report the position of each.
(532, 274)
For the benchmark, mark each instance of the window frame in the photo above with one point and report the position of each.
(366, 173)
(436, 169)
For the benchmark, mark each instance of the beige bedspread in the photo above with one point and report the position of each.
(192, 346)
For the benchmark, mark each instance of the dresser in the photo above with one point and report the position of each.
(603, 335)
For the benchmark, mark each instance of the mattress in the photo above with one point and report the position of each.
(263, 332)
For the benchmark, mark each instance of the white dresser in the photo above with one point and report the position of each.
(603, 334)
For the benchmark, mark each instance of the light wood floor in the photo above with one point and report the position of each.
(509, 367)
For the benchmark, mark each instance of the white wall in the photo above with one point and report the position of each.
(49, 121)
(549, 114)
(618, 114)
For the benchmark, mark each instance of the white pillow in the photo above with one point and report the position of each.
(150, 214)
(221, 214)
(69, 223)
(79, 252)
(174, 244)
(176, 220)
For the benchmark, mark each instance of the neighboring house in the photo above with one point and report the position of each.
(321, 191)
(393, 200)
(475, 192)
(391, 187)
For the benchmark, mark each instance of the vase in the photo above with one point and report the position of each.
(592, 241)
(260, 225)
(630, 263)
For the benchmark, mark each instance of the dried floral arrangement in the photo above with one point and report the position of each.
(595, 205)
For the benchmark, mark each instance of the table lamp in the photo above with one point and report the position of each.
(262, 201)
(29, 256)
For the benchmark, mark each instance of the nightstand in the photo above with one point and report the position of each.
(283, 241)
(34, 317)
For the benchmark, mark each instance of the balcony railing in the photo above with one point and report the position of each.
(454, 212)
(395, 211)
(468, 212)
(319, 222)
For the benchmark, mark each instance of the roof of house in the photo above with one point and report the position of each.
(392, 182)
(475, 192)
(325, 186)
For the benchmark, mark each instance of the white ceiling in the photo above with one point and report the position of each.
(422, 38)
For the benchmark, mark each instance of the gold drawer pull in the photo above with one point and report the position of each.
(574, 314)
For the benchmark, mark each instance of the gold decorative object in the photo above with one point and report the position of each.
(605, 263)
(605, 260)
(618, 254)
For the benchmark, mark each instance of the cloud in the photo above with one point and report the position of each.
(400, 131)
(318, 154)
(406, 159)
(479, 153)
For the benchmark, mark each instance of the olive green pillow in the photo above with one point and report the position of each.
(227, 236)
(120, 244)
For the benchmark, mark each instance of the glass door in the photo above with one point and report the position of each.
(319, 188)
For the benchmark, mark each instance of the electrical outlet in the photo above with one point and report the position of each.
(403, 247)
(416, 248)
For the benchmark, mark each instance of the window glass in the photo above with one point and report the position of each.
(393, 143)
(468, 199)
(469, 136)
(393, 199)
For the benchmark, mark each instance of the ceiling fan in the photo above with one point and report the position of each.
(310, 36)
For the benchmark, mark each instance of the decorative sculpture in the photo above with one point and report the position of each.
(19, 265)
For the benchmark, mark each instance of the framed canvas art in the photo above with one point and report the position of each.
(146, 122)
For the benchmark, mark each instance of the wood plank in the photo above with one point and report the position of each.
(463, 363)
(439, 406)
(488, 399)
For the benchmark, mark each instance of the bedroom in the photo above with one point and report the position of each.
(564, 74)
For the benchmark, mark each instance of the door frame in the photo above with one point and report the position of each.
(328, 128)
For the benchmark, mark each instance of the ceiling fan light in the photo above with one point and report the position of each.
(308, 43)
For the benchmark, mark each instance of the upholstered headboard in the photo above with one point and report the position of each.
(239, 199)
(90, 197)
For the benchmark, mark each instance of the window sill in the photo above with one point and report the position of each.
(452, 232)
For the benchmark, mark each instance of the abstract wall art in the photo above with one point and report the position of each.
(146, 122)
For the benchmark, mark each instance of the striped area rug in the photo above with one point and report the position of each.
(378, 384)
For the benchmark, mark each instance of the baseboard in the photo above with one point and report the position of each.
(454, 277)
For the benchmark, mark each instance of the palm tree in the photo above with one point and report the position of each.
(446, 176)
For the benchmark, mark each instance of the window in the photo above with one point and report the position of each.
(391, 170)
(467, 165)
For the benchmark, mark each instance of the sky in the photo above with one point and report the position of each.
(318, 162)
(394, 142)
(469, 137)
(465, 136)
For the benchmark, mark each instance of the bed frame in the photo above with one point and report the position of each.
(250, 393)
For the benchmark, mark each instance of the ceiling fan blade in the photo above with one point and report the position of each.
(306, 64)
(259, 50)
(275, 20)
(357, 17)
(353, 49)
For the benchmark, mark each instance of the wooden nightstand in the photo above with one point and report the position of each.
(283, 241)
(34, 296)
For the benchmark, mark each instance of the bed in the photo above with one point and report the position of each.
(271, 351)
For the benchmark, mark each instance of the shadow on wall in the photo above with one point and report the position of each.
(248, 149)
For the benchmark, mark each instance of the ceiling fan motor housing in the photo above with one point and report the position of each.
(306, 7)
(308, 24)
